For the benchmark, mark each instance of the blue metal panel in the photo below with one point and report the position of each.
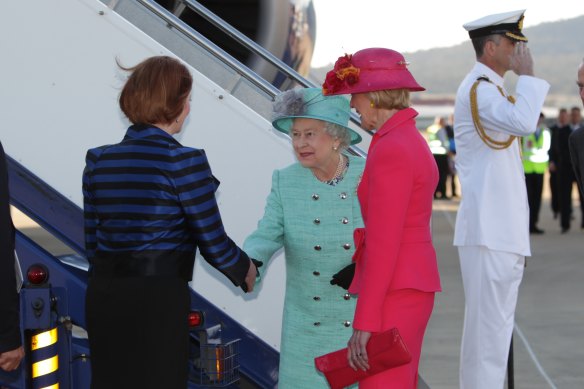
(36, 308)
(62, 276)
(13, 379)
(50, 209)
(80, 364)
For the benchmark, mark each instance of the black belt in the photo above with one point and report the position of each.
(131, 264)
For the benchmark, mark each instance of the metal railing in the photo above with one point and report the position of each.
(173, 21)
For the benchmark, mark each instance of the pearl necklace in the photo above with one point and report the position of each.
(338, 172)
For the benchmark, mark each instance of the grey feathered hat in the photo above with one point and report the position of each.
(311, 104)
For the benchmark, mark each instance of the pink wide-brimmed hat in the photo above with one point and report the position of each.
(369, 70)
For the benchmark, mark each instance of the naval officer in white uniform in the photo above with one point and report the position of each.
(492, 225)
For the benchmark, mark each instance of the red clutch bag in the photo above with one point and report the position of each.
(384, 350)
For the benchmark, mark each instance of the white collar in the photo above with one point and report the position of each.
(483, 70)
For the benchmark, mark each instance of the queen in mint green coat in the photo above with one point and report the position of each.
(311, 212)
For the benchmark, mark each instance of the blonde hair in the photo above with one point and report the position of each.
(390, 99)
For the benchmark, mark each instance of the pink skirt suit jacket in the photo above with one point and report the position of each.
(397, 273)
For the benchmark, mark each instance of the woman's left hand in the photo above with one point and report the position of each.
(357, 351)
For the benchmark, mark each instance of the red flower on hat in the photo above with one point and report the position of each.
(343, 72)
(343, 62)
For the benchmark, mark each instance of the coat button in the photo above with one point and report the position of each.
(315, 196)
(317, 221)
(347, 296)
(316, 273)
(316, 298)
(347, 246)
(343, 195)
(318, 248)
(345, 220)
(316, 323)
(347, 323)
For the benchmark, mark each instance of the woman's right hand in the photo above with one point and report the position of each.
(357, 350)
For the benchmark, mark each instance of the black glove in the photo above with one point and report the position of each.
(257, 264)
(344, 277)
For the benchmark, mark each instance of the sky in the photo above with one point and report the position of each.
(346, 26)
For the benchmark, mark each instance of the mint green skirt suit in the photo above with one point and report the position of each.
(314, 222)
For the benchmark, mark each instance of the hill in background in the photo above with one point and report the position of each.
(557, 49)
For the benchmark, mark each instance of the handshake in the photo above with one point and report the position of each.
(344, 277)
(252, 274)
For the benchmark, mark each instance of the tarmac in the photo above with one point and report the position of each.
(549, 332)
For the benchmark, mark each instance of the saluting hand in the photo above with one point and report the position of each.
(521, 61)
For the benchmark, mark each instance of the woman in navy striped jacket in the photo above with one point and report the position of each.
(149, 203)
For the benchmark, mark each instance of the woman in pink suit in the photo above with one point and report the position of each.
(396, 274)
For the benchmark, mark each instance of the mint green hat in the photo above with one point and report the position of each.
(309, 103)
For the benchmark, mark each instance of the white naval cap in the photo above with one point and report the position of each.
(506, 23)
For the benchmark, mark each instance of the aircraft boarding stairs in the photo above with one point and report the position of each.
(66, 103)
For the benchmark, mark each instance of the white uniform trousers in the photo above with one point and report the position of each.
(491, 284)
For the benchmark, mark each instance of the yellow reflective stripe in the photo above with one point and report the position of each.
(44, 339)
(45, 367)
(55, 386)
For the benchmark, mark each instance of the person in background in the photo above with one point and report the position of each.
(554, 156)
(149, 203)
(566, 177)
(535, 161)
(439, 146)
(311, 212)
(576, 140)
(492, 231)
(11, 350)
(451, 155)
(396, 274)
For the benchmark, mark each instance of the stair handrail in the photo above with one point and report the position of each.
(255, 48)
(210, 47)
(174, 21)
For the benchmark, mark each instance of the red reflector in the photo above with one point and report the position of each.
(195, 319)
(37, 274)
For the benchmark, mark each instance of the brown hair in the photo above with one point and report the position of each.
(390, 99)
(156, 90)
(479, 43)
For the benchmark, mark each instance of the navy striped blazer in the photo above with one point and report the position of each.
(149, 202)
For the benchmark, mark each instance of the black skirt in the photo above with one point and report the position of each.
(138, 332)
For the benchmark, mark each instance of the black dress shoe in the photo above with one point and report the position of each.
(536, 231)
(565, 229)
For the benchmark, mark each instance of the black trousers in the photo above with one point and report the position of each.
(138, 332)
(443, 170)
(554, 193)
(566, 180)
(534, 183)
